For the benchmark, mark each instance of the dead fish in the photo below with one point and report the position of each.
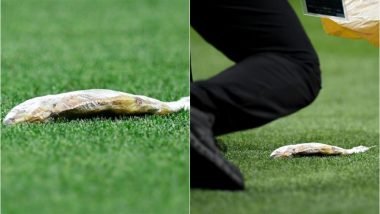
(90, 102)
(315, 149)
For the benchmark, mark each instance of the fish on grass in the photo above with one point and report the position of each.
(309, 149)
(90, 102)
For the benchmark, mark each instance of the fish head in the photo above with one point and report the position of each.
(282, 152)
(29, 111)
(14, 117)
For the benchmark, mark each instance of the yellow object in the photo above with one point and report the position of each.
(362, 21)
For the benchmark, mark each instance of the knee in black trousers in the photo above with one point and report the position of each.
(256, 91)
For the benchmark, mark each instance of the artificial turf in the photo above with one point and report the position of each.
(345, 114)
(98, 165)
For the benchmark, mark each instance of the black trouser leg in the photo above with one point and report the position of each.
(276, 71)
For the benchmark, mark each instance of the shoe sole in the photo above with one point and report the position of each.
(209, 170)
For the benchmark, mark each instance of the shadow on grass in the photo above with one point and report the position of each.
(109, 116)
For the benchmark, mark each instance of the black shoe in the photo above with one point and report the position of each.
(208, 168)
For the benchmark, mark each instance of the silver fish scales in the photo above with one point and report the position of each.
(305, 149)
(90, 102)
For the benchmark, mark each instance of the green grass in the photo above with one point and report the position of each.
(345, 114)
(99, 165)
